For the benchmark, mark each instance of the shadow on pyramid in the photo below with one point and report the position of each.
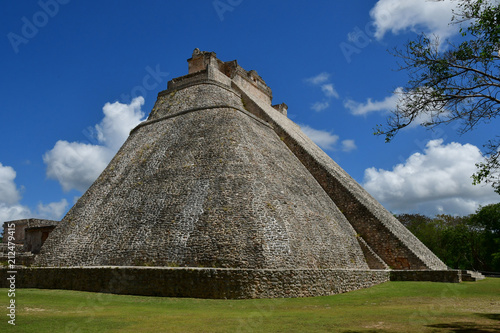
(217, 179)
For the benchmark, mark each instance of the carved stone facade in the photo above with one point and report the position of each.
(29, 236)
(30, 231)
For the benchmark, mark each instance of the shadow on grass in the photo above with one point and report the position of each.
(370, 331)
(492, 316)
(471, 327)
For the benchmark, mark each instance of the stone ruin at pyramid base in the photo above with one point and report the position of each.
(218, 194)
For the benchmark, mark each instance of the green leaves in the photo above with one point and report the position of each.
(456, 83)
(469, 242)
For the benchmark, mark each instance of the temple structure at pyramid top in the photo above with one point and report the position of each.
(219, 177)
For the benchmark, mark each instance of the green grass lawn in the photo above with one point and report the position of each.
(389, 307)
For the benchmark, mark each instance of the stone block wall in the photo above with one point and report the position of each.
(248, 85)
(35, 237)
(21, 257)
(200, 60)
(197, 95)
(22, 225)
(223, 184)
(372, 259)
(390, 240)
(450, 276)
(198, 282)
(215, 187)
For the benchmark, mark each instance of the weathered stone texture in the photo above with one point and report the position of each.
(199, 282)
(16, 253)
(212, 188)
(36, 237)
(451, 276)
(372, 259)
(194, 96)
(29, 236)
(22, 225)
(395, 244)
(218, 177)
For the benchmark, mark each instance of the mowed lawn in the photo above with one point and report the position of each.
(389, 307)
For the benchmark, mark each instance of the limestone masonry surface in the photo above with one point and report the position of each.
(220, 180)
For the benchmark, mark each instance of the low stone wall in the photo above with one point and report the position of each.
(452, 276)
(197, 282)
(372, 259)
(22, 258)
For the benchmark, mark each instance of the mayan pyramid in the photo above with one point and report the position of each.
(219, 177)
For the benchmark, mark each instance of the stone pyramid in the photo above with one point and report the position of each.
(218, 177)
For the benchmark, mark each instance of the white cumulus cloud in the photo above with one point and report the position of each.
(53, 210)
(76, 165)
(324, 139)
(320, 106)
(430, 114)
(9, 193)
(118, 120)
(322, 81)
(13, 212)
(319, 79)
(12, 209)
(431, 17)
(433, 182)
(329, 91)
(387, 104)
(348, 145)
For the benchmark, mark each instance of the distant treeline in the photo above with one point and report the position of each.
(468, 242)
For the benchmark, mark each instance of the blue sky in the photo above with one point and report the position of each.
(72, 73)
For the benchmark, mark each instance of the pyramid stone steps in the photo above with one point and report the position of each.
(218, 188)
(372, 259)
(471, 275)
(395, 244)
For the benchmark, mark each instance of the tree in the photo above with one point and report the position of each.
(455, 83)
(427, 230)
(487, 222)
(462, 242)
